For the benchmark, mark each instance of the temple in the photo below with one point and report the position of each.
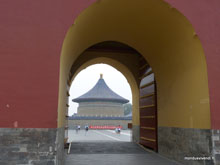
(101, 107)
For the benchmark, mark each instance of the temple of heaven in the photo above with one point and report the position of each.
(101, 107)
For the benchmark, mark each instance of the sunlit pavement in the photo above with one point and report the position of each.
(99, 135)
(105, 147)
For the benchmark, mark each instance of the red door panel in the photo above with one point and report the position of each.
(148, 107)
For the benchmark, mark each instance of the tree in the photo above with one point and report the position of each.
(127, 108)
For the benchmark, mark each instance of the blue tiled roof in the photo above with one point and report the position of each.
(100, 92)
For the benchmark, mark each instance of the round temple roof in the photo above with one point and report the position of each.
(101, 92)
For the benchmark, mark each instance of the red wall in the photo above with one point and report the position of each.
(31, 36)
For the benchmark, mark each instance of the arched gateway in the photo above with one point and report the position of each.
(168, 51)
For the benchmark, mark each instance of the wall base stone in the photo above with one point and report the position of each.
(185, 145)
(216, 146)
(135, 133)
(31, 146)
(60, 159)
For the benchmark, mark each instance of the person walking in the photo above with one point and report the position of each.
(86, 129)
(77, 129)
(118, 129)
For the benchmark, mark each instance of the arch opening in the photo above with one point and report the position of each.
(107, 58)
(166, 39)
(101, 115)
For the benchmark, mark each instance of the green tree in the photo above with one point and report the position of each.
(127, 108)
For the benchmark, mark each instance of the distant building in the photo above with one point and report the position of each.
(100, 106)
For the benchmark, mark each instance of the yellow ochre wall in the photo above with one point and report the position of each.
(168, 42)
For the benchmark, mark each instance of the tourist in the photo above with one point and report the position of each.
(118, 129)
(76, 128)
(86, 129)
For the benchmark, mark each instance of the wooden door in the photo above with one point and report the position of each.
(148, 107)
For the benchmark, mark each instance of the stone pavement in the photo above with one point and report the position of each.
(113, 153)
(99, 135)
(106, 148)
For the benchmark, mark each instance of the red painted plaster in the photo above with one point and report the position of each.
(31, 36)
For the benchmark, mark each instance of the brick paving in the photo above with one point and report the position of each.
(103, 150)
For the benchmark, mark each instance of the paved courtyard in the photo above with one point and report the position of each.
(105, 147)
(99, 135)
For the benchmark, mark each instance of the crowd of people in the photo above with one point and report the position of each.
(78, 128)
(117, 129)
